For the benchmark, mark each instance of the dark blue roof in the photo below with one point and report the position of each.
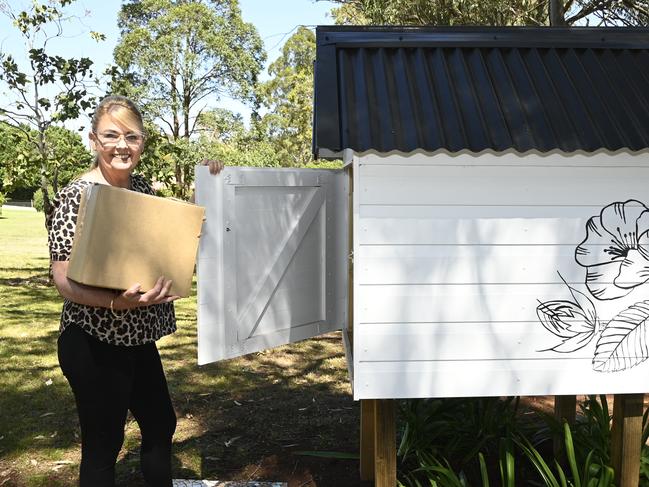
(481, 88)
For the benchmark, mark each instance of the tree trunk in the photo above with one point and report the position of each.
(556, 13)
(174, 106)
(187, 101)
(47, 204)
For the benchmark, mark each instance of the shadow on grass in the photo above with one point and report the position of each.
(35, 404)
(243, 419)
(28, 277)
(239, 419)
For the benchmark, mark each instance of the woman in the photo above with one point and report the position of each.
(107, 347)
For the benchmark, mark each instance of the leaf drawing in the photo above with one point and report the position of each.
(623, 343)
(584, 303)
(575, 322)
(568, 321)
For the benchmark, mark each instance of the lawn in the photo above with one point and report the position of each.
(247, 418)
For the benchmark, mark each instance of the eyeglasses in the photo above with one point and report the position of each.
(110, 139)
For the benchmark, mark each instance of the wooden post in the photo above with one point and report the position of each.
(626, 435)
(379, 442)
(385, 443)
(565, 407)
(367, 439)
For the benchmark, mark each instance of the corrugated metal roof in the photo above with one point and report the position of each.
(481, 88)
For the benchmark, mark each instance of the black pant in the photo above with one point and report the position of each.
(107, 382)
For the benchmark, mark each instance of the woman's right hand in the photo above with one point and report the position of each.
(132, 298)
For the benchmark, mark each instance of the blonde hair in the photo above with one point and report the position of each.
(122, 110)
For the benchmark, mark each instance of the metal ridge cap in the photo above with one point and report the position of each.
(511, 150)
(517, 36)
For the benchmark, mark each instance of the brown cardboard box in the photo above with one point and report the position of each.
(124, 237)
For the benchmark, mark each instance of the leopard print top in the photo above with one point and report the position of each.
(135, 327)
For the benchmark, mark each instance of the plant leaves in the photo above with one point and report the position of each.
(623, 343)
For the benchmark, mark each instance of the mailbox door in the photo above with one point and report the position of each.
(272, 263)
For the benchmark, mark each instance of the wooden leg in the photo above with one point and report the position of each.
(385, 443)
(626, 435)
(565, 407)
(367, 439)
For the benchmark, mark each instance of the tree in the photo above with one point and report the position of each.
(452, 12)
(176, 56)
(51, 90)
(288, 95)
(66, 158)
(182, 53)
(493, 12)
(221, 125)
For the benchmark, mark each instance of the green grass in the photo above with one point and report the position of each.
(296, 396)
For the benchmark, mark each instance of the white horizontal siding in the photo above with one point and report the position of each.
(498, 185)
(454, 303)
(463, 264)
(471, 378)
(452, 255)
(380, 342)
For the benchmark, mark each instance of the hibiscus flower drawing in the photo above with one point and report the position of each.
(615, 251)
(615, 254)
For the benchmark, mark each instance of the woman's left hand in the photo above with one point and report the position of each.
(214, 165)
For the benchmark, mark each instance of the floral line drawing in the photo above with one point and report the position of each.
(615, 251)
(615, 254)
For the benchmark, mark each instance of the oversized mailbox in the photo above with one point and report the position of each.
(472, 275)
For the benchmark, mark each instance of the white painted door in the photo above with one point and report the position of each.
(272, 264)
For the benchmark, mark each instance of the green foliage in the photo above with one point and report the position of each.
(222, 125)
(589, 473)
(456, 12)
(3, 200)
(21, 164)
(37, 198)
(49, 90)
(163, 158)
(592, 431)
(288, 96)
(470, 441)
(491, 12)
(460, 428)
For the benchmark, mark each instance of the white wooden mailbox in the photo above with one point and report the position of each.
(494, 201)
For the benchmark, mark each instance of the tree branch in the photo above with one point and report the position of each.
(15, 115)
(17, 126)
(196, 120)
(171, 128)
(632, 5)
(590, 9)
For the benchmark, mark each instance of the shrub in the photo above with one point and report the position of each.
(38, 198)
(467, 442)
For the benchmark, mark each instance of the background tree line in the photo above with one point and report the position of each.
(176, 58)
